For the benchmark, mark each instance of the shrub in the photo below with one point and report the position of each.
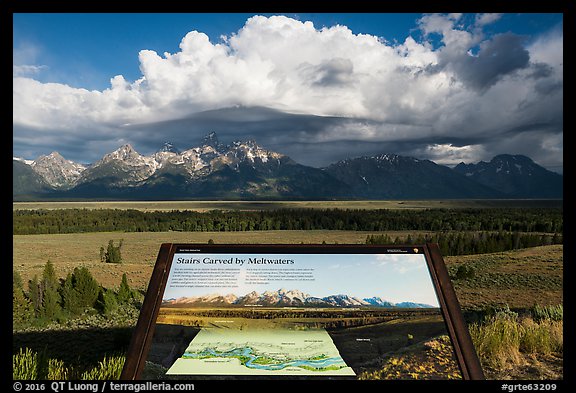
(57, 371)
(502, 338)
(497, 341)
(552, 313)
(112, 253)
(465, 272)
(29, 365)
(25, 365)
(109, 368)
(544, 337)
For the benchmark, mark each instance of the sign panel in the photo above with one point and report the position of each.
(300, 312)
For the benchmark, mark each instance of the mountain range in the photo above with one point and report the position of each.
(286, 298)
(245, 170)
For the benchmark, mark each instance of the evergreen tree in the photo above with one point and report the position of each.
(49, 279)
(51, 304)
(35, 295)
(106, 302)
(70, 300)
(17, 280)
(124, 292)
(22, 310)
(86, 286)
(50, 297)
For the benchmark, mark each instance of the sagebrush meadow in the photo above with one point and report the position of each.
(498, 259)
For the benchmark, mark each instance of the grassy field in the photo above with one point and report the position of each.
(202, 206)
(518, 278)
(139, 252)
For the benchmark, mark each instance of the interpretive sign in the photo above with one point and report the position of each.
(300, 312)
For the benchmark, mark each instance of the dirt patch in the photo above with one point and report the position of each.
(533, 367)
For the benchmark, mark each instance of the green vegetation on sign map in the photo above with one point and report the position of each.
(216, 351)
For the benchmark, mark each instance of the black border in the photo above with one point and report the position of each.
(456, 326)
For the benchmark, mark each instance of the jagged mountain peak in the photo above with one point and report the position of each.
(513, 157)
(246, 142)
(57, 171)
(382, 158)
(56, 155)
(168, 147)
(52, 157)
(125, 153)
(245, 170)
(516, 175)
(124, 150)
(210, 137)
(211, 140)
(391, 176)
(250, 151)
(288, 298)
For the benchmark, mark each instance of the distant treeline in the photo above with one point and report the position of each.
(466, 243)
(549, 220)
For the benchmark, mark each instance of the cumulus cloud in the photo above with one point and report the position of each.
(324, 85)
(486, 19)
(402, 263)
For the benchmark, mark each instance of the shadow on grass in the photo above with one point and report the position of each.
(79, 348)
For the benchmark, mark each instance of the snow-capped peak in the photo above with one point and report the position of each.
(131, 168)
(56, 170)
(124, 153)
(211, 139)
(251, 151)
(168, 147)
(25, 161)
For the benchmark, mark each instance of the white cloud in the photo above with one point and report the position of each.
(448, 154)
(486, 19)
(549, 49)
(393, 92)
(401, 263)
(276, 62)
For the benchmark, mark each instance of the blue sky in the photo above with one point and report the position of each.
(393, 277)
(86, 50)
(447, 87)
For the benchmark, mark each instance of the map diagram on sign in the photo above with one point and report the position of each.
(216, 351)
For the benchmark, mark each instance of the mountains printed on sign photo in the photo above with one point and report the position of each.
(286, 298)
(246, 170)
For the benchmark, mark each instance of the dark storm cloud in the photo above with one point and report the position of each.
(498, 57)
(541, 70)
(300, 136)
(269, 127)
(30, 143)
